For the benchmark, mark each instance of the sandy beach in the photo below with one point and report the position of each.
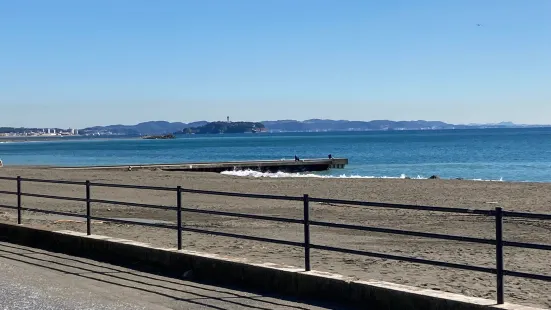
(528, 197)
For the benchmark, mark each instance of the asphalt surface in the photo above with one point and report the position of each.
(37, 279)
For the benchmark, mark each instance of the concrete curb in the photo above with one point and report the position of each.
(266, 277)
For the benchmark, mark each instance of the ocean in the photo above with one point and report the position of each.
(485, 154)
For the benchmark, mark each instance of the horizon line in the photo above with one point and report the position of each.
(283, 120)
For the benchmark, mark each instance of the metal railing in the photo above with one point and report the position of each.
(497, 213)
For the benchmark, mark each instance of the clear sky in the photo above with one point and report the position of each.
(96, 62)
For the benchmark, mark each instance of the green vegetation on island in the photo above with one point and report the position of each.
(225, 127)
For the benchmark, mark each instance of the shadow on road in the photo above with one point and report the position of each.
(153, 283)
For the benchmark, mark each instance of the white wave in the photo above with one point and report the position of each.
(482, 180)
(258, 174)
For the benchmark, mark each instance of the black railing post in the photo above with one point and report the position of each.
(499, 254)
(179, 216)
(306, 232)
(88, 210)
(18, 200)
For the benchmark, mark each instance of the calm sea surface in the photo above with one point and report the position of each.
(489, 154)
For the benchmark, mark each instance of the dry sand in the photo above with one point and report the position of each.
(529, 197)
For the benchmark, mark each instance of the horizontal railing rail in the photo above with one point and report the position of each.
(533, 216)
(230, 194)
(53, 197)
(526, 275)
(402, 206)
(498, 214)
(404, 258)
(121, 221)
(7, 207)
(154, 188)
(37, 210)
(404, 232)
(8, 193)
(52, 181)
(245, 237)
(132, 204)
(244, 215)
(525, 245)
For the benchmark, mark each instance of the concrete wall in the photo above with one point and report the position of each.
(221, 270)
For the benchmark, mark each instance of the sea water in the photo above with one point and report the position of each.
(485, 154)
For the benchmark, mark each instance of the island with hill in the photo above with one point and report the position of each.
(225, 128)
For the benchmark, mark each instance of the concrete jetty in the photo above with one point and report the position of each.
(303, 165)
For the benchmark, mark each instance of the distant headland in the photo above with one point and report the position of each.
(156, 128)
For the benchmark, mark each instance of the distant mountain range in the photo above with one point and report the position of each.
(146, 128)
(344, 125)
(163, 127)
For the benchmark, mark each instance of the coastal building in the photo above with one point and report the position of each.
(19, 132)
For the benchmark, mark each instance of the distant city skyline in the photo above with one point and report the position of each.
(72, 64)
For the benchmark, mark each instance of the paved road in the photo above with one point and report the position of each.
(37, 279)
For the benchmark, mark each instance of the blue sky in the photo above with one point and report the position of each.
(92, 62)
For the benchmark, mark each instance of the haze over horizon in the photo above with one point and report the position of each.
(310, 119)
(78, 64)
